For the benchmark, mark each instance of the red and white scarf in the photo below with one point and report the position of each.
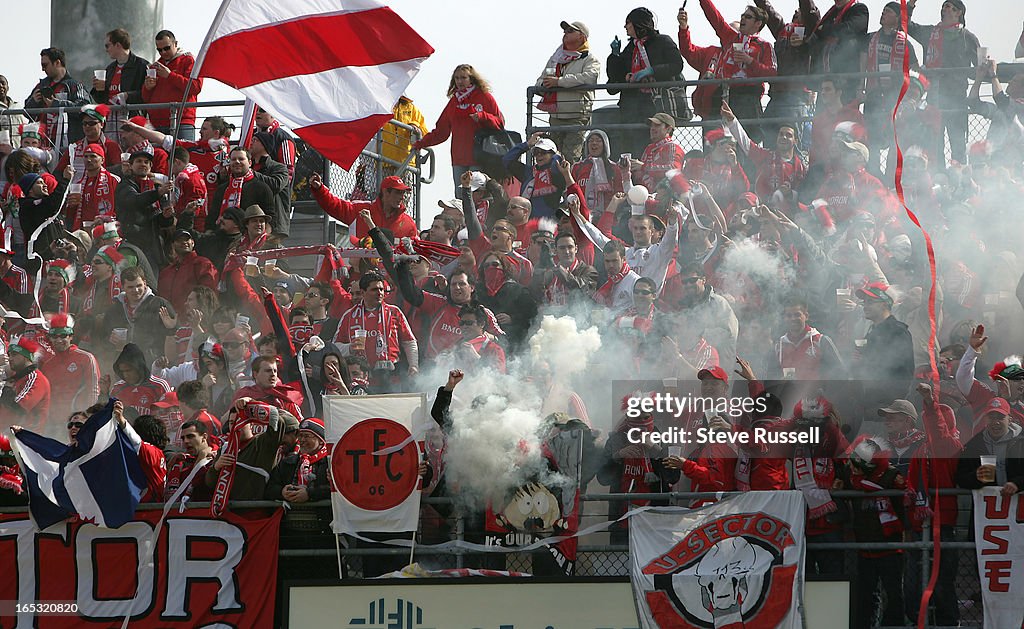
(145, 185)
(233, 193)
(113, 290)
(11, 479)
(603, 295)
(640, 60)
(97, 197)
(541, 184)
(832, 40)
(558, 61)
(896, 56)
(814, 477)
(254, 413)
(304, 471)
(556, 292)
(887, 516)
(379, 352)
(933, 54)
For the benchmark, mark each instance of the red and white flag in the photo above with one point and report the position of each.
(330, 70)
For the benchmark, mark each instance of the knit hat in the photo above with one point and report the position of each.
(27, 348)
(139, 120)
(315, 426)
(717, 135)
(95, 148)
(62, 324)
(291, 424)
(106, 231)
(111, 256)
(267, 140)
(920, 82)
(27, 181)
(875, 291)
(66, 269)
(32, 130)
(853, 131)
(959, 4)
(235, 214)
(894, 7)
(1009, 368)
(677, 182)
(96, 112)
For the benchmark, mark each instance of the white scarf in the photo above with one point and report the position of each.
(561, 56)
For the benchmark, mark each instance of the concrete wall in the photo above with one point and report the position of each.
(79, 28)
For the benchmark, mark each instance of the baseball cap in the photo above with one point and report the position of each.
(168, 400)
(545, 144)
(715, 372)
(477, 181)
(997, 405)
(875, 291)
(663, 118)
(394, 182)
(576, 26)
(183, 233)
(857, 147)
(904, 407)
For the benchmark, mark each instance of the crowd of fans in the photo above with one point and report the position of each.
(781, 250)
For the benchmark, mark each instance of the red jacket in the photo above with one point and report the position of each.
(30, 404)
(699, 57)
(76, 375)
(171, 89)
(401, 224)
(455, 122)
(848, 194)
(190, 185)
(712, 467)
(933, 465)
(762, 52)
(178, 278)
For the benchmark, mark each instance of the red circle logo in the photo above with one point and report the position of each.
(375, 483)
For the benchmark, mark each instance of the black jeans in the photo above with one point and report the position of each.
(944, 598)
(867, 606)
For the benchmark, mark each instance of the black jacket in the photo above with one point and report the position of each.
(144, 329)
(515, 300)
(214, 245)
(839, 42)
(275, 175)
(283, 474)
(34, 212)
(610, 473)
(970, 460)
(138, 214)
(73, 94)
(663, 52)
(254, 192)
(889, 352)
(133, 77)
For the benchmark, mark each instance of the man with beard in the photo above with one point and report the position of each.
(196, 439)
(242, 189)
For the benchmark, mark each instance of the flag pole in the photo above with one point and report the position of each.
(337, 553)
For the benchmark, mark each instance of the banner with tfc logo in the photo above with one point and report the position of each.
(201, 572)
(999, 531)
(376, 443)
(736, 563)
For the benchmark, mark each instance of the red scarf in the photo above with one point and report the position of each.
(896, 56)
(640, 61)
(604, 294)
(933, 57)
(541, 184)
(147, 184)
(97, 197)
(255, 413)
(10, 479)
(304, 472)
(113, 290)
(887, 517)
(380, 341)
(233, 193)
(494, 279)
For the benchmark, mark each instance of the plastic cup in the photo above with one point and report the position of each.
(75, 188)
(637, 210)
(125, 157)
(798, 31)
(359, 340)
(151, 73)
(120, 334)
(860, 342)
(99, 75)
(675, 450)
(626, 157)
(843, 294)
(788, 373)
(982, 54)
(737, 47)
(988, 459)
(252, 266)
(269, 264)
(241, 321)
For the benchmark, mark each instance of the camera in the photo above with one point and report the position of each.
(46, 92)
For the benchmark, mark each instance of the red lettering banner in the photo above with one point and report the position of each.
(200, 572)
(999, 531)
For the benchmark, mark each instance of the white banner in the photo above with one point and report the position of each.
(736, 563)
(1000, 546)
(375, 493)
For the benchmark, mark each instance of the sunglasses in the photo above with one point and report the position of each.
(643, 291)
(75, 425)
(691, 280)
(468, 322)
(164, 49)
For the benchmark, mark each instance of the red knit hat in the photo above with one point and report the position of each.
(28, 348)
(314, 425)
(66, 269)
(62, 324)
(111, 256)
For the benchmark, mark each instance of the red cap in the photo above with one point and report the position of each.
(997, 405)
(875, 291)
(168, 400)
(139, 120)
(394, 182)
(715, 372)
(95, 148)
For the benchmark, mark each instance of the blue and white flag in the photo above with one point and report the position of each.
(99, 478)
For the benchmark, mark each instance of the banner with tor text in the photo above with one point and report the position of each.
(201, 572)
(376, 445)
(999, 543)
(735, 563)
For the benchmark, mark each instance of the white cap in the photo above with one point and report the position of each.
(479, 180)
(545, 144)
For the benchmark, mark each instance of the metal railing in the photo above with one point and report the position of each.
(689, 133)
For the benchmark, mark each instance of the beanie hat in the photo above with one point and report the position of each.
(66, 269)
(111, 256)
(62, 324)
(96, 112)
(106, 231)
(32, 130)
(28, 348)
(235, 214)
(1009, 368)
(315, 426)
(27, 181)
(96, 148)
(267, 140)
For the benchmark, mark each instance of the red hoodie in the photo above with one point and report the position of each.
(455, 121)
(170, 90)
(933, 465)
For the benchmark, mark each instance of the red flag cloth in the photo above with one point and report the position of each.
(363, 50)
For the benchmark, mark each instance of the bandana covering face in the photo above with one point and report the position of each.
(494, 279)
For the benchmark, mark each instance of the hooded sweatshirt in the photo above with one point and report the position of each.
(599, 177)
(141, 396)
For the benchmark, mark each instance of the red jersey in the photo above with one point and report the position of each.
(455, 121)
(155, 469)
(443, 331)
(190, 185)
(111, 156)
(400, 224)
(848, 194)
(98, 199)
(598, 191)
(17, 278)
(386, 327)
(32, 398)
(710, 468)
(77, 375)
(773, 170)
(180, 467)
(171, 88)
(141, 396)
(659, 158)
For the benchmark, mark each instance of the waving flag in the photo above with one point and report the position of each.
(330, 70)
(99, 478)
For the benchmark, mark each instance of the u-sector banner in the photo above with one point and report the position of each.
(735, 563)
(999, 531)
(201, 572)
(376, 445)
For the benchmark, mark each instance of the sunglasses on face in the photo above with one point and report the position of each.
(468, 322)
(691, 280)
(164, 49)
(75, 425)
